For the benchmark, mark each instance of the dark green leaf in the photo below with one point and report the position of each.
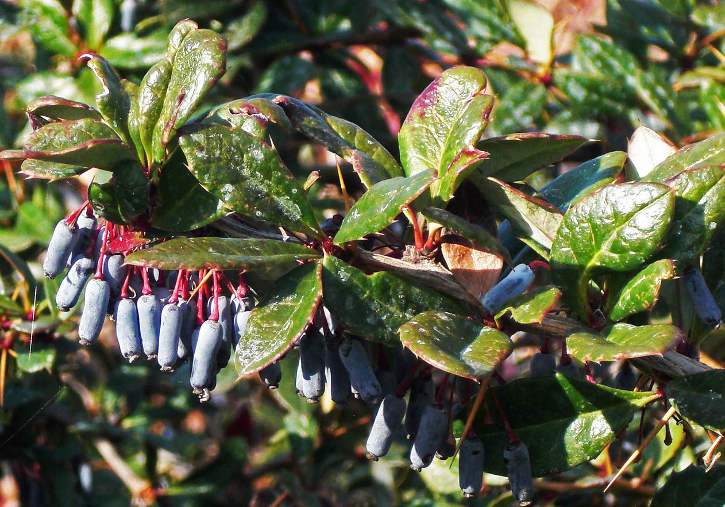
(476, 234)
(584, 179)
(640, 292)
(59, 108)
(198, 63)
(48, 20)
(112, 99)
(146, 109)
(248, 176)
(241, 30)
(49, 170)
(699, 210)
(130, 51)
(563, 422)
(375, 306)
(37, 360)
(532, 307)
(455, 344)
(700, 398)
(515, 156)
(694, 486)
(258, 255)
(622, 341)
(614, 229)
(122, 195)
(9, 307)
(94, 18)
(709, 151)
(276, 325)
(379, 206)
(251, 114)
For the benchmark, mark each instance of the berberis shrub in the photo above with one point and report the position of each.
(212, 263)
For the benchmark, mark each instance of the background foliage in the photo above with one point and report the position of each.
(78, 424)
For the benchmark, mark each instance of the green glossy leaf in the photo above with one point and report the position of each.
(197, 64)
(694, 486)
(476, 234)
(375, 306)
(709, 151)
(563, 422)
(700, 398)
(699, 210)
(515, 156)
(59, 108)
(248, 176)
(37, 360)
(131, 51)
(455, 344)
(532, 307)
(536, 24)
(240, 31)
(380, 205)
(94, 18)
(277, 324)
(83, 143)
(622, 341)
(112, 99)
(531, 218)
(47, 21)
(122, 195)
(251, 114)
(181, 203)
(370, 160)
(584, 179)
(614, 229)
(49, 170)
(146, 109)
(639, 292)
(645, 151)
(444, 124)
(258, 255)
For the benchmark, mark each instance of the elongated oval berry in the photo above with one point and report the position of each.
(422, 392)
(172, 320)
(127, 329)
(542, 365)
(114, 272)
(447, 448)
(183, 350)
(94, 311)
(702, 299)
(203, 364)
(470, 466)
(432, 430)
(336, 373)
(312, 362)
(241, 318)
(71, 287)
(59, 249)
(227, 323)
(514, 284)
(387, 423)
(518, 465)
(86, 232)
(362, 378)
(149, 320)
(271, 375)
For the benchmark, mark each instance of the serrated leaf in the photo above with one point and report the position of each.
(646, 150)
(181, 203)
(375, 306)
(59, 108)
(248, 176)
(614, 229)
(700, 398)
(711, 151)
(536, 25)
(278, 323)
(444, 124)
(639, 292)
(122, 195)
(455, 344)
(622, 341)
(380, 205)
(563, 422)
(197, 64)
(532, 307)
(37, 360)
(83, 143)
(476, 234)
(515, 156)
(583, 179)
(531, 218)
(699, 210)
(94, 18)
(258, 255)
(694, 486)
(112, 100)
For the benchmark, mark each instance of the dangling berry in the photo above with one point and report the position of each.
(271, 375)
(470, 466)
(335, 372)
(149, 320)
(386, 424)
(71, 287)
(127, 329)
(172, 317)
(60, 247)
(94, 311)
(362, 378)
(203, 364)
(702, 299)
(422, 392)
(518, 465)
(312, 364)
(514, 284)
(430, 435)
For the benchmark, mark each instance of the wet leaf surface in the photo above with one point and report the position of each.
(122, 195)
(709, 151)
(693, 486)
(622, 341)
(640, 292)
(532, 307)
(700, 398)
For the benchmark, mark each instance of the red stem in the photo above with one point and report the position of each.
(215, 307)
(417, 233)
(126, 282)
(177, 287)
(99, 266)
(146, 290)
(73, 217)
